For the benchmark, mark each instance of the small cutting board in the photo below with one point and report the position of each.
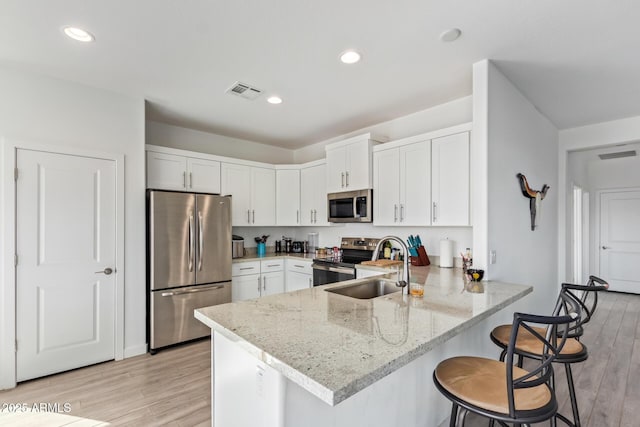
(383, 262)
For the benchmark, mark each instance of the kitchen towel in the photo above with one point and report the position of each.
(446, 253)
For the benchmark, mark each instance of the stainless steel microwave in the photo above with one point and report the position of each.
(350, 206)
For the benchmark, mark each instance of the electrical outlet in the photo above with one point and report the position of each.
(492, 257)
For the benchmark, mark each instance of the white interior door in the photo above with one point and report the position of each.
(65, 241)
(620, 240)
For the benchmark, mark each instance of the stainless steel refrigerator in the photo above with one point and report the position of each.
(188, 262)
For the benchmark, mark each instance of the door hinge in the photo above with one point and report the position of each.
(15, 174)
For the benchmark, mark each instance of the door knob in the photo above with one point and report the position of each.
(106, 271)
(606, 247)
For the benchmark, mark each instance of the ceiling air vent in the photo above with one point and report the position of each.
(617, 155)
(244, 90)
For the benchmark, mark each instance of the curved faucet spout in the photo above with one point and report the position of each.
(404, 283)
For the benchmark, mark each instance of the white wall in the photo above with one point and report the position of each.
(519, 139)
(439, 117)
(606, 134)
(210, 143)
(41, 110)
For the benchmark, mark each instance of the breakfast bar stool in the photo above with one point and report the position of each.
(573, 352)
(504, 392)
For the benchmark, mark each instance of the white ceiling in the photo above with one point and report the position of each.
(578, 61)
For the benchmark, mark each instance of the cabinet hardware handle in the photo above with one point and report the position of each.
(315, 216)
(395, 213)
(311, 216)
(259, 284)
(606, 247)
(401, 212)
(347, 178)
(435, 217)
(254, 216)
(264, 283)
(191, 179)
(273, 265)
(184, 179)
(342, 180)
(248, 216)
(192, 291)
(246, 268)
(299, 266)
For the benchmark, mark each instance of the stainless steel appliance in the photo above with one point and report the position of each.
(188, 262)
(350, 206)
(337, 269)
(297, 247)
(237, 247)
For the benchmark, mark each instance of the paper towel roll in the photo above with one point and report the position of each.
(446, 253)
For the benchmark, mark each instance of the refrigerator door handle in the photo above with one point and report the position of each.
(192, 291)
(200, 241)
(191, 242)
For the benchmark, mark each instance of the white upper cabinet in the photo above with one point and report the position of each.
(175, 172)
(313, 195)
(253, 191)
(349, 164)
(401, 176)
(288, 197)
(450, 179)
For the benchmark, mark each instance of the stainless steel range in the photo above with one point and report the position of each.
(336, 269)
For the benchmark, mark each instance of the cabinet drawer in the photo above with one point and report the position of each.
(272, 265)
(244, 268)
(299, 266)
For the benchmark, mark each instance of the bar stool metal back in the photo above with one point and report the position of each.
(573, 351)
(502, 391)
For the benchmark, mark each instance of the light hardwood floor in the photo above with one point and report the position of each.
(173, 387)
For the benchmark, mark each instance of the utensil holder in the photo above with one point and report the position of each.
(422, 259)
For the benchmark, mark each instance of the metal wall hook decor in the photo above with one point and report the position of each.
(535, 197)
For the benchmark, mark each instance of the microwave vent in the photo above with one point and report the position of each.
(617, 155)
(244, 90)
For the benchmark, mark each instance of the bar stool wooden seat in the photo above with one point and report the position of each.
(573, 351)
(504, 392)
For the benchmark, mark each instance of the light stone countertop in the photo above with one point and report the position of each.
(334, 346)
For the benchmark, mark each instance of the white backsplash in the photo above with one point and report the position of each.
(330, 236)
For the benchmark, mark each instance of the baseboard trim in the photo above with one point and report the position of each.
(135, 350)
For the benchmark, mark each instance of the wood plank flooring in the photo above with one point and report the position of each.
(173, 387)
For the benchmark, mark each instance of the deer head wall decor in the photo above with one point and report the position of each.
(535, 197)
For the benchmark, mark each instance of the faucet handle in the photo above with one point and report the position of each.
(401, 283)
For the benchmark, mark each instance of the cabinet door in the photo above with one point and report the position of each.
(288, 197)
(386, 185)
(166, 171)
(204, 175)
(313, 196)
(272, 283)
(236, 182)
(297, 280)
(263, 196)
(450, 179)
(415, 184)
(358, 174)
(336, 169)
(245, 287)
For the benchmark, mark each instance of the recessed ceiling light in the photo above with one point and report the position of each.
(274, 100)
(450, 35)
(78, 34)
(350, 57)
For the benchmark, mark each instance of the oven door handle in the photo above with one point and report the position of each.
(333, 269)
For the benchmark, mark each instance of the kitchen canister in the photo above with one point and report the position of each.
(446, 253)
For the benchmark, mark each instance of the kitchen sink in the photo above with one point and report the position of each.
(366, 290)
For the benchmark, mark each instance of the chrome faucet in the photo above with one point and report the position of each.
(405, 274)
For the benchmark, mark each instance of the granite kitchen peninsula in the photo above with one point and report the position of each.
(317, 358)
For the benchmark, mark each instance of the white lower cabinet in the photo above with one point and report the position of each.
(299, 274)
(254, 279)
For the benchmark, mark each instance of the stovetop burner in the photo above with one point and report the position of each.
(354, 251)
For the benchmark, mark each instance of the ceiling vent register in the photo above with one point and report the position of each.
(244, 91)
(617, 155)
